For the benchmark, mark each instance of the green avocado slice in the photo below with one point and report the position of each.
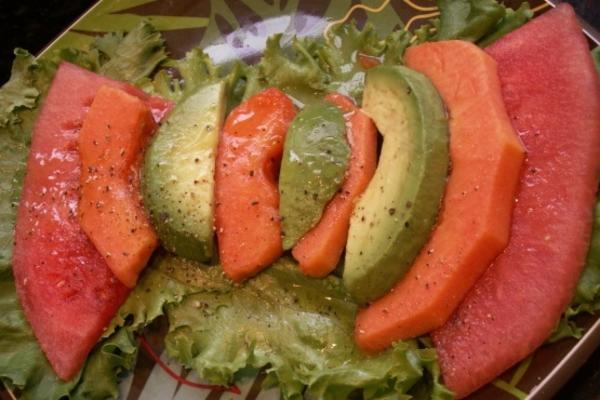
(315, 158)
(395, 215)
(178, 174)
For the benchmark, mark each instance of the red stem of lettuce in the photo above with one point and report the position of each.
(146, 346)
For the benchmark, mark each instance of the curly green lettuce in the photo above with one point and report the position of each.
(299, 328)
(29, 77)
(587, 297)
(596, 57)
(308, 67)
(193, 71)
(512, 20)
(130, 57)
(185, 76)
(479, 21)
(155, 290)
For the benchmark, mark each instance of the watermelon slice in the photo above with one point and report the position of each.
(552, 96)
(66, 289)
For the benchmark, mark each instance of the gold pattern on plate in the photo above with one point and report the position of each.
(9, 391)
(349, 13)
(541, 7)
(431, 11)
(418, 7)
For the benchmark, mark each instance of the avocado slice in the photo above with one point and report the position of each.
(395, 215)
(178, 173)
(315, 158)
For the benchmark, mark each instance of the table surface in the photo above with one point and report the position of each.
(32, 24)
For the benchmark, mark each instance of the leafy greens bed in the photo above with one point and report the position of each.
(301, 328)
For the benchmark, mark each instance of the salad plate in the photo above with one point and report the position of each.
(231, 30)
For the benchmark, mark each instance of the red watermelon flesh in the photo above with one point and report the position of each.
(552, 96)
(67, 291)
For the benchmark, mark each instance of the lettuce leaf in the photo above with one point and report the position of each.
(193, 71)
(104, 366)
(130, 57)
(12, 164)
(20, 96)
(468, 19)
(133, 56)
(23, 89)
(306, 68)
(155, 290)
(596, 57)
(242, 82)
(299, 328)
(566, 327)
(346, 42)
(587, 297)
(480, 21)
(512, 20)
(292, 66)
(183, 77)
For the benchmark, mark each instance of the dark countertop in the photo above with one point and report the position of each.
(33, 24)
